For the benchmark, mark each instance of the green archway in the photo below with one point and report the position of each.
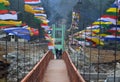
(58, 33)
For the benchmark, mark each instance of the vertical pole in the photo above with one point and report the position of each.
(77, 59)
(99, 46)
(90, 60)
(6, 54)
(84, 55)
(63, 34)
(33, 53)
(53, 36)
(17, 62)
(72, 34)
(29, 55)
(115, 48)
(24, 58)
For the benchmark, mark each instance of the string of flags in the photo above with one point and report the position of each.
(9, 19)
(106, 28)
(39, 13)
(10, 24)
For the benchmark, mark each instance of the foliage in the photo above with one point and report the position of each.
(90, 10)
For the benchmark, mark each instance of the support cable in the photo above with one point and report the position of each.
(90, 59)
(84, 55)
(17, 61)
(115, 49)
(33, 53)
(77, 59)
(39, 52)
(36, 53)
(24, 56)
(29, 55)
(98, 68)
(17, 49)
(6, 51)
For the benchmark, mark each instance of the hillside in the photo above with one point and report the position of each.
(56, 10)
(90, 10)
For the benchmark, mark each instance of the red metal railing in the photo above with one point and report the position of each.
(37, 73)
(72, 71)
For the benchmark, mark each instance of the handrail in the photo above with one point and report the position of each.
(72, 71)
(36, 74)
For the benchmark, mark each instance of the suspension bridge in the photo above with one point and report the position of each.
(53, 69)
(90, 55)
(49, 69)
(33, 64)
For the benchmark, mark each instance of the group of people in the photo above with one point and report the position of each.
(58, 53)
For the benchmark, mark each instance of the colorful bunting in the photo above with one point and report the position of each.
(107, 27)
(113, 10)
(32, 2)
(5, 2)
(8, 17)
(16, 23)
(101, 23)
(112, 38)
(20, 32)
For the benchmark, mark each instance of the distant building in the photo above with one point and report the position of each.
(13, 38)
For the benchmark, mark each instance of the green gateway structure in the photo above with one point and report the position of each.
(58, 33)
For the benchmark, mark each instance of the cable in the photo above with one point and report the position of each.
(84, 55)
(115, 49)
(33, 52)
(98, 68)
(29, 55)
(17, 61)
(77, 59)
(6, 50)
(24, 57)
(90, 59)
(17, 51)
(35, 59)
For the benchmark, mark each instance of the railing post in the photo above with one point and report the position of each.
(72, 71)
(36, 74)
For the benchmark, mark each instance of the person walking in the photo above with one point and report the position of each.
(57, 55)
(60, 53)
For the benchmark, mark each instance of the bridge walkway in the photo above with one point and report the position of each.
(49, 69)
(56, 72)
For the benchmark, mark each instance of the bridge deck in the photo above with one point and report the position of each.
(56, 72)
